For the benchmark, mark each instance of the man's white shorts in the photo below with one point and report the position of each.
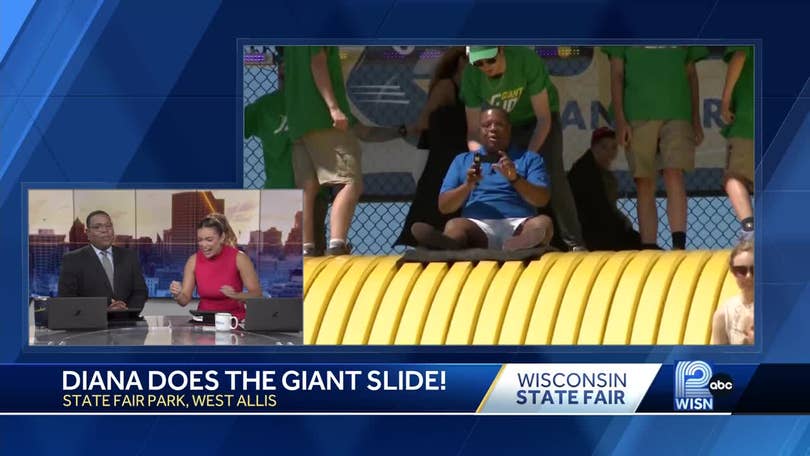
(499, 230)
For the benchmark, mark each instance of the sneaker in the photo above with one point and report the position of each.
(312, 252)
(428, 236)
(579, 248)
(344, 249)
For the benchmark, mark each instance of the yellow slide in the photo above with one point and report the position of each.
(595, 298)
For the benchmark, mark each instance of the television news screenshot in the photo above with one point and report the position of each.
(323, 228)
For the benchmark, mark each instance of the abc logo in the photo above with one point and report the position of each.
(721, 385)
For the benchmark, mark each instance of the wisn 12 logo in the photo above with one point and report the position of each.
(696, 386)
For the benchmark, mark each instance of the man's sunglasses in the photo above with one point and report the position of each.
(480, 63)
(742, 271)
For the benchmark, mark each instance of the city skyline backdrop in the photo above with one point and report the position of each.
(246, 210)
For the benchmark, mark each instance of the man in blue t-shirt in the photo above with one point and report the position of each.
(498, 190)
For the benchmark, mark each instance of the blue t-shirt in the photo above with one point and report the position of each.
(494, 197)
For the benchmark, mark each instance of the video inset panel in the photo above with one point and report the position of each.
(627, 208)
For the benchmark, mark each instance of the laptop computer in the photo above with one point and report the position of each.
(274, 314)
(202, 317)
(77, 313)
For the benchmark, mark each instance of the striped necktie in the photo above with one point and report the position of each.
(108, 267)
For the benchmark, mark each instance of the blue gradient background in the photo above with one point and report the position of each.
(146, 93)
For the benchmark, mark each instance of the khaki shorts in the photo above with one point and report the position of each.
(330, 155)
(740, 158)
(674, 138)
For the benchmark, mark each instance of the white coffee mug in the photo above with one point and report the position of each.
(224, 321)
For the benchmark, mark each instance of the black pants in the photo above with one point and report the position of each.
(562, 200)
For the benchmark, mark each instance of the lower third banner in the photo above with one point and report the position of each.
(692, 386)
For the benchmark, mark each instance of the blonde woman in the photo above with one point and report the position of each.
(733, 321)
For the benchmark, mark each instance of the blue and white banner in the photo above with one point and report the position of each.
(693, 386)
(569, 388)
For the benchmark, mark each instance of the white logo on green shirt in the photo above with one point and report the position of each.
(507, 99)
(282, 126)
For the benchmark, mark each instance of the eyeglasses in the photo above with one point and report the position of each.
(480, 63)
(742, 271)
(100, 226)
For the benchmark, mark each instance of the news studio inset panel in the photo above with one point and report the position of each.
(165, 267)
(645, 227)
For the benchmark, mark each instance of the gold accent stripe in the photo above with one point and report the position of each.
(491, 388)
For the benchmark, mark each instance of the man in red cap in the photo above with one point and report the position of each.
(595, 190)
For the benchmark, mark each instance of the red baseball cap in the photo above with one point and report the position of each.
(602, 132)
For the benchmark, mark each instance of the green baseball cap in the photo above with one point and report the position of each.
(477, 53)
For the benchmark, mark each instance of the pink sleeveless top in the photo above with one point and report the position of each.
(211, 274)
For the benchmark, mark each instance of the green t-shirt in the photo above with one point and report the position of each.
(306, 109)
(266, 119)
(742, 98)
(525, 76)
(656, 86)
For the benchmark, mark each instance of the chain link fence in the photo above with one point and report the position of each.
(259, 77)
(379, 218)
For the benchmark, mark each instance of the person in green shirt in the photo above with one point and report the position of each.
(655, 104)
(326, 151)
(266, 119)
(516, 79)
(737, 111)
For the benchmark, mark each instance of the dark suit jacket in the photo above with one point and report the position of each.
(81, 274)
(604, 227)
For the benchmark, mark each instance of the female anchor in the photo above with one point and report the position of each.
(218, 270)
(733, 321)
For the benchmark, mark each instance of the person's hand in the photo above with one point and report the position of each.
(749, 336)
(725, 112)
(506, 167)
(175, 288)
(698, 127)
(748, 324)
(473, 174)
(117, 305)
(623, 133)
(339, 119)
(228, 291)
